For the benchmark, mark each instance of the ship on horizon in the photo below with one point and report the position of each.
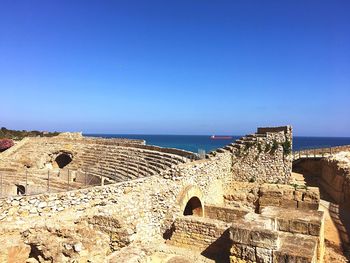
(216, 137)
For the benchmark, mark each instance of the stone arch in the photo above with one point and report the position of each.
(62, 159)
(190, 201)
(21, 190)
(193, 207)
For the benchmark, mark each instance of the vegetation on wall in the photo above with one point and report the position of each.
(274, 147)
(287, 147)
(18, 135)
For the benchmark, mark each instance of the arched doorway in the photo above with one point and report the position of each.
(21, 190)
(193, 207)
(62, 160)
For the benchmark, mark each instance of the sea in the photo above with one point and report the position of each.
(196, 143)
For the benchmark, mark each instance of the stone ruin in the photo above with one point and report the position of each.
(150, 204)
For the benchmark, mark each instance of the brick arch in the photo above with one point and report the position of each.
(190, 201)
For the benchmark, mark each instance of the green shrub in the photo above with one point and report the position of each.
(267, 148)
(287, 147)
(249, 145)
(274, 147)
(259, 147)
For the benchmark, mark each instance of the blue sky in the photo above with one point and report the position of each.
(175, 67)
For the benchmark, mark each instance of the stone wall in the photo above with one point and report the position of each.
(224, 213)
(332, 175)
(210, 237)
(264, 161)
(275, 235)
(257, 196)
(287, 196)
(147, 204)
(264, 157)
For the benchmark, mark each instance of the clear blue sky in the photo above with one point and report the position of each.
(175, 67)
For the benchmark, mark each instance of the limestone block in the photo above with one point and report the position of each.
(307, 206)
(299, 226)
(287, 203)
(236, 250)
(269, 201)
(264, 238)
(296, 248)
(312, 195)
(248, 253)
(283, 224)
(264, 255)
(298, 194)
(315, 227)
(240, 235)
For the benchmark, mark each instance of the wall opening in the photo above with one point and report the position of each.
(193, 207)
(62, 160)
(21, 190)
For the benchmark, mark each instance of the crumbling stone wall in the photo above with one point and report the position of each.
(332, 175)
(147, 204)
(263, 157)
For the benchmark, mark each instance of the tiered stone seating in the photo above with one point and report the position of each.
(124, 163)
(93, 161)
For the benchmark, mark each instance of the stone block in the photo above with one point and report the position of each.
(312, 195)
(238, 234)
(248, 253)
(236, 250)
(283, 224)
(315, 228)
(269, 201)
(288, 203)
(288, 192)
(296, 248)
(264, 238)
(299, 194)
(264, 255)
(299, 226)
(271, 190)
(307, 206)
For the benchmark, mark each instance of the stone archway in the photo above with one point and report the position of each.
(193, 207)
(21, 190)
(62, 160)
(190, 201)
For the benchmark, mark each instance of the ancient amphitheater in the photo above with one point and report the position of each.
(71, 198)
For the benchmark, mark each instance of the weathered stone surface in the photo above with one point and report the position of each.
(115, 221)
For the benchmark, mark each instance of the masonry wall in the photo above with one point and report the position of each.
(148, 205)
(210, 237)
(260, 162)
(264, 157)
(224, 213)
(333, 176)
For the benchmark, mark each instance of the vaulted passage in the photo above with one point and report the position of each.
(21, 190)
(193, 207)
(62, 160)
